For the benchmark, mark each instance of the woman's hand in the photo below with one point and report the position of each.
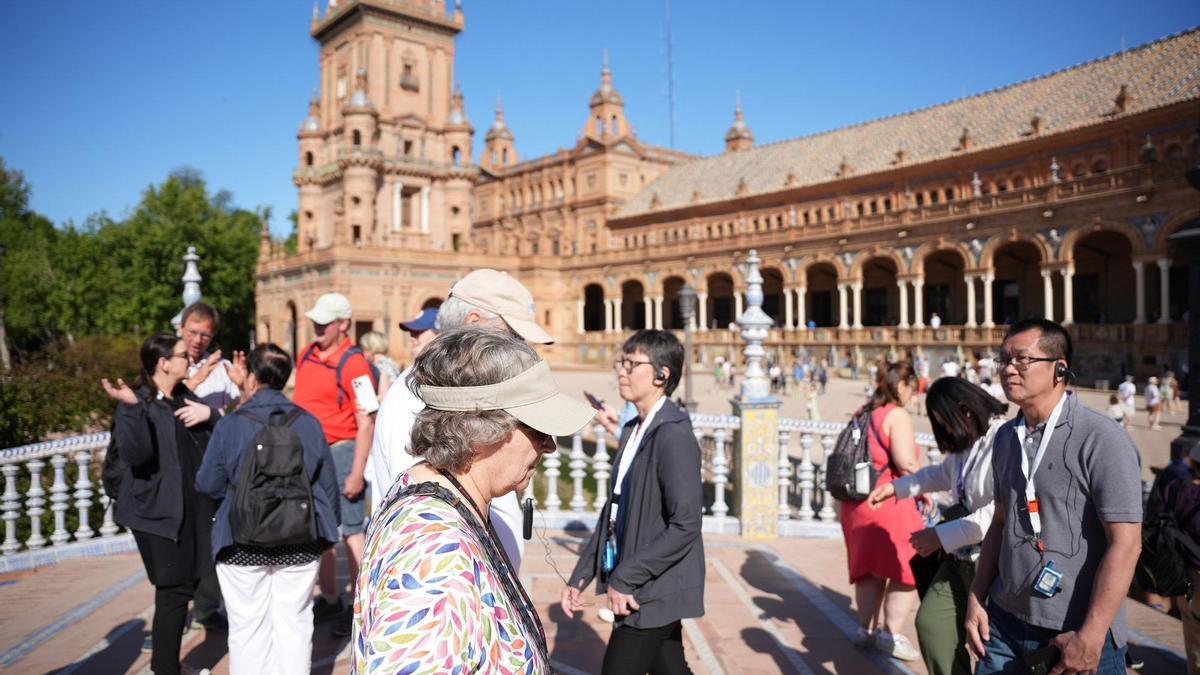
(926, 541)
(193, 413)
(570, 601)
(607, 417)
(880, 495)
(620, 603)
(121, 392)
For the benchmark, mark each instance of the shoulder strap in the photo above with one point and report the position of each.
(306, 355)
(250, 416)
(351, 351)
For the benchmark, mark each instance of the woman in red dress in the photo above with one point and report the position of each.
(877, 541)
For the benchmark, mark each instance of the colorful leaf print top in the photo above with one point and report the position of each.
(430, 600)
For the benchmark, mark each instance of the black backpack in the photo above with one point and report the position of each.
(1162, 567)
(851, 449)
(112, 471)
(273, 502)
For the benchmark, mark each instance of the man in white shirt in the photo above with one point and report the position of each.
(950, 368)
(488, 299)
(1126, 392)
(935, 321)
(213, 379)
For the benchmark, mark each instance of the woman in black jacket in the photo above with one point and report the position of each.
(647, 552)
(161, 430)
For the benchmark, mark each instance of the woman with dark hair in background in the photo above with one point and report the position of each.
(964, 419)
(161, 430)
(877, 539)
(646, 550)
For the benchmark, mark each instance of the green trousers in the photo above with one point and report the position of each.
(941, 616)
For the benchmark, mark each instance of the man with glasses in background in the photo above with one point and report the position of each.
(1059, 556)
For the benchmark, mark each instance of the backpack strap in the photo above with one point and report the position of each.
(351, 351)
(250, 416)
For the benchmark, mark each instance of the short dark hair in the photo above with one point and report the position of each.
(960, 412)
(271, 365)
(1055, 339)
(201, 310)
(886, 379)
(663, 350)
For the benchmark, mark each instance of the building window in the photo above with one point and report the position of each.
(308, 159)
(354, 201)
(357, 137)
(612, 125)
(887, 204)
(456, 156)
(949, 194)
(456, 241)
(1100, 165)
(504, 157)
(357, 230)
(1018, 182)
(555, 247)
(933, 196)
(454, 210)
(1078, 170)
(920, 199)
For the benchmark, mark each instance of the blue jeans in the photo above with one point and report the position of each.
(1011, 638)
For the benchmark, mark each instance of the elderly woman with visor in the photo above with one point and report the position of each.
(436, 592)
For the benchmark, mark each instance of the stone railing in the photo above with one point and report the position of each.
(71, 466)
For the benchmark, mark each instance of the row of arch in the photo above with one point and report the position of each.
(1016, 281)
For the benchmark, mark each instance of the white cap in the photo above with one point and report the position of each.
(329, 307)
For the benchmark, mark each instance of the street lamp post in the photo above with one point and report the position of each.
(687, 307)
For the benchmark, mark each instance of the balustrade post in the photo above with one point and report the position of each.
(553, 464)
(33, 504)
(720, 474)
(827, 511)
(785, 475)
(11, 508)
(59, 498)
(601, 468)
(83, 495)
(577, 465)
(806, 477)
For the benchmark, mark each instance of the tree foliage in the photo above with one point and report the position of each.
(115, 278)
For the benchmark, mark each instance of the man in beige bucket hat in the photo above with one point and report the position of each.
(489, 299)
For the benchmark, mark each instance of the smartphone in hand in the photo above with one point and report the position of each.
(1040, 661)
(596, 403)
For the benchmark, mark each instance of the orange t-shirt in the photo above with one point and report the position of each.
(317, 389)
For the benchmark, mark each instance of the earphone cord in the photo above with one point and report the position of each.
(541, 533)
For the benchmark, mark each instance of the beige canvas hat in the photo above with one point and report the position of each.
(498, 292)
(532, 397)
(329, 307)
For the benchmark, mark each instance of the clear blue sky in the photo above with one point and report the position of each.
(101, 99)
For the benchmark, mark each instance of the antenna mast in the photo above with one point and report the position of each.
(670, 80)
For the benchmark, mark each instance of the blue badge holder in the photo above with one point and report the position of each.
(610, 554)
(1048, 581)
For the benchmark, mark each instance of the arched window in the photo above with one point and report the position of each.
(308, 159)
(1002, 185)
(1174, 151)
(456, 155)
(1078, 170)
(949, 194)
(599, 125)
(1100, 165)
(504, 157)
(612, 125)
(1018, 182)
(357, 138)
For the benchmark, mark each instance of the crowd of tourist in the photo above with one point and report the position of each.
(1019, 547)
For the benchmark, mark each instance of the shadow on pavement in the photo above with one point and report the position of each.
(211, 650)
(125, 646)
(576, 643)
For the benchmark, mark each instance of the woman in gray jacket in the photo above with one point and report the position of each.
(646, 552)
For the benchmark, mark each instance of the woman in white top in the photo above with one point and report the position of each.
(964, 419)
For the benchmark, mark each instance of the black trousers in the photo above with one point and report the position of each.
(170, 612)
(207, 603)
(659, 651)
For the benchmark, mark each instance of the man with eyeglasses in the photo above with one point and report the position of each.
(1058, 558)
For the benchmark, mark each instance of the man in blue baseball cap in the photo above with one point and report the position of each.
(389, 459)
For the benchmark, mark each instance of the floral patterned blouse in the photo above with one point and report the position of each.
(429, 600)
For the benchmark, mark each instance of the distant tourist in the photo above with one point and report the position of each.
(1170, 392)
(1059, 556)
(1116, 411)
(950, 367)
(935, 321)
(1127, 392)
(1153, 403)
(374, 346)
(878, 546)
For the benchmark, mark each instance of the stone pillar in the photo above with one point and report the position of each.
(579, 305)
(756, 483)
(842, 322)
(608, 313)
(737, 304)
(702, 310)
(648, 311)
(1164, 278)
(1048, 294)
(658, 313)
(1139, 289)
(787, 309)
(1068, 276)
(970, 301)
(425, 209)
(903, 286)
(618, 315)
(801, 302)
(857, 286)
(988, 279)
(919, 302)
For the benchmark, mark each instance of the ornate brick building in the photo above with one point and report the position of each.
(1050, 197)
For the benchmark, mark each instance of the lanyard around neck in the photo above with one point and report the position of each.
(1035, 519)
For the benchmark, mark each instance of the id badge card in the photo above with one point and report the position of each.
(1048, 581)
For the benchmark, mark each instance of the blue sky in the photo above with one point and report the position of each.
(102, 99)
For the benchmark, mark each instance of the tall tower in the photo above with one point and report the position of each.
(385, 152)
(739, 136)
(499, 151)
(606, 117)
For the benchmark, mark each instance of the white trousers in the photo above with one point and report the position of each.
(270, 617)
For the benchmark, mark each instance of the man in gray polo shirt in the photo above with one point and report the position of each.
(1058, 558)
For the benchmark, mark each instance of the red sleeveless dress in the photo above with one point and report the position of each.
(877, 540)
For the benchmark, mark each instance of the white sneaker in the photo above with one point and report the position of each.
(863, 638)
(896, 646)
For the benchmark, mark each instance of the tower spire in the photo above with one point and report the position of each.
(739, 136)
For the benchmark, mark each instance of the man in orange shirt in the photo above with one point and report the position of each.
(326, 371)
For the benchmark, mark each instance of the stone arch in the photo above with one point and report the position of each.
(1175, 223)
(774, 281)
(988, 255)
(672, 316)
(881, 296)
(1017, 288)
(839, 270)
(821, 303)
(1103, 279)
(1129, 233)
(594, 310)
(875, 252)
(633, 304)
(720, 310)
(943, 270)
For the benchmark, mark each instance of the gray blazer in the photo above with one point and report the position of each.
(661, 553)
